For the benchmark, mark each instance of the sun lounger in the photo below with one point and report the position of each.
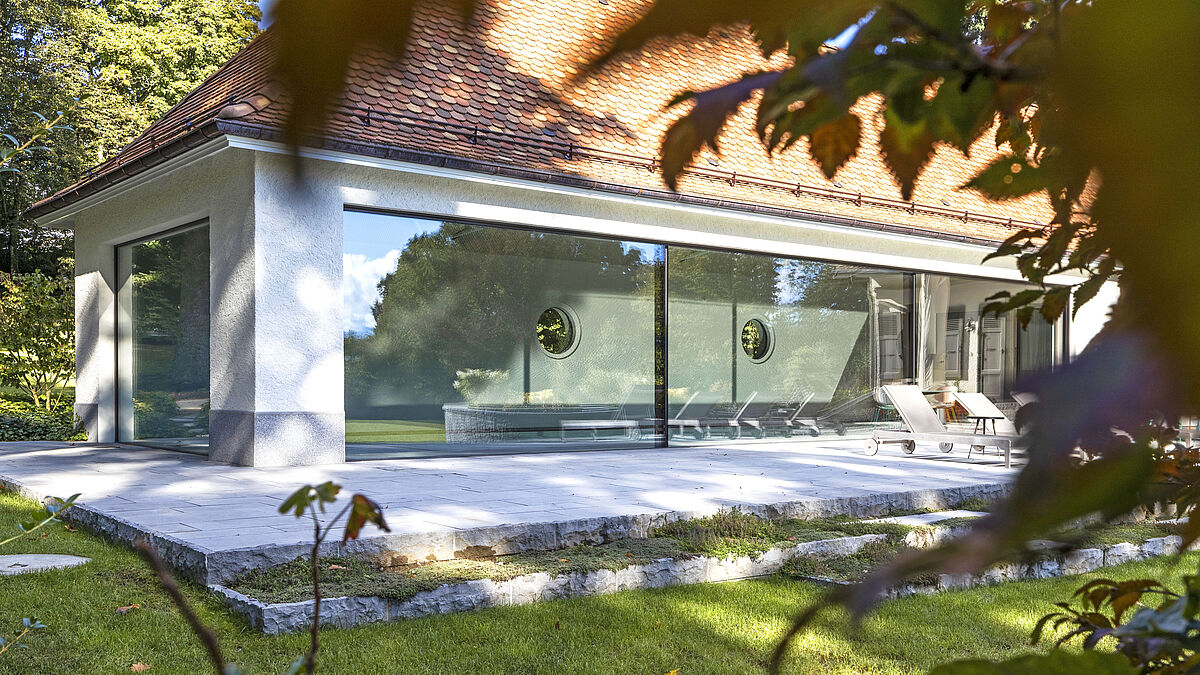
(1023, 398)
(628, 418)
(922, 424)
(683, 422)
(785, 419)
(727, 417)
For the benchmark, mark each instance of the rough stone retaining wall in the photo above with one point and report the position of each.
(530, 588)
(208, 567)
(345, 612)
(1048, 565)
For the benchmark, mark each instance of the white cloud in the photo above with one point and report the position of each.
(360, 278)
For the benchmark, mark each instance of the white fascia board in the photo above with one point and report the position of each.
(664, 234)
(60, 219)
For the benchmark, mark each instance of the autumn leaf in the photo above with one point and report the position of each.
(705, 120)
(139, 667)
(833, 144)
(906, 146)
(128, 608)
(363, 510)
(337, 567)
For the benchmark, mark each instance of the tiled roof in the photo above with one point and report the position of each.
(509, 93)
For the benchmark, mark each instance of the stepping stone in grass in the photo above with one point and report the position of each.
(37, 562)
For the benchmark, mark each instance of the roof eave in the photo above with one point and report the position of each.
(44, 212)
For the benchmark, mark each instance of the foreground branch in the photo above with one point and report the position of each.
(167, 581)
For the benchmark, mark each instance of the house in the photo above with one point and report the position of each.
(478, 255)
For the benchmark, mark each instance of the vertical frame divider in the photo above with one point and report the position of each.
(662, 429)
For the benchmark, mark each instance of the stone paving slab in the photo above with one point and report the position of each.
(214, 521)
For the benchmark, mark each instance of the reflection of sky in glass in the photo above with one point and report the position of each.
(371, 245)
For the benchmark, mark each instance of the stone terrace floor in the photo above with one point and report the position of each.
(202, 511)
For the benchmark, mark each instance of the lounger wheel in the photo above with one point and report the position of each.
(872, 447)
(735, 433)
(909, 447)
(760, 433)
(841, 429)
(814, 432)
(945, 447)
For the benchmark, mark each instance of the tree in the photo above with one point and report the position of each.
(1094, 104)
(125, 62)
(37, 335)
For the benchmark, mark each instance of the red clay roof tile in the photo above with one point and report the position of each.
(507, 90)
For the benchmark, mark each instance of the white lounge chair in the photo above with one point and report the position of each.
(1023, 398)
(981, 407)
(922, 424)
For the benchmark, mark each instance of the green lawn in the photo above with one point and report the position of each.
(394, 431)
(718, 628)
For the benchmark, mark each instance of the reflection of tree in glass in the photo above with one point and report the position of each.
(465, 297)
(171, 335)
(754, 339)
(171, 313)
(554, 331)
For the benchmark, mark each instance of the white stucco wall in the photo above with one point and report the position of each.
(215, 187)
(1092, 316)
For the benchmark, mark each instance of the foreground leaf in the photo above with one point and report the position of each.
(835, 143)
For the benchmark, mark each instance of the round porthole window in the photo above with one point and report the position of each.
(558, 332)
(756, 340)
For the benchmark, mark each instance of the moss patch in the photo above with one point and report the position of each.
(292, 582)
(734, 533)
(853, 567)
(1101, 535)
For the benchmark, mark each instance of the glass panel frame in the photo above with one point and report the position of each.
(173, 414)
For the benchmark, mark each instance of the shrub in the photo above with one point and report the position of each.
(37, 335)
(26, 421)
(153, 415)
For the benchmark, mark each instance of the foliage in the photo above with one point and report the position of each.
(154, 414)
(1160, 635)
(28, 626)
(37, 335)
(24, 421)
(125, 61)
(1090, 103)
(51, 512)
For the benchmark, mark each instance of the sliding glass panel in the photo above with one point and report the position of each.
(774, 347)
(165, 340)
(466, 339)
(965, 351)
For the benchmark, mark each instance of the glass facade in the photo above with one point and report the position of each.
(164, 340)
(466, 339)
(765, 346)
(963, 349)
(463, 338)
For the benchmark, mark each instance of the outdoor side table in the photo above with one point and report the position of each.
(981, 421)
